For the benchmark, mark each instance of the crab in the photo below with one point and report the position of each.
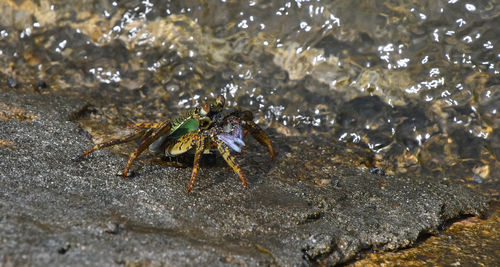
(199, 129)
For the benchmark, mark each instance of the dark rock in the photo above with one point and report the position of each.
(304, 207)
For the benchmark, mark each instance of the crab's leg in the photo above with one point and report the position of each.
(260, 136)
(200, 148)
(145, 125)
(226, 154)
(163, 128)
(113, 142)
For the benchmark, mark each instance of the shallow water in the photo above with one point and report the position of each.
(414, 83)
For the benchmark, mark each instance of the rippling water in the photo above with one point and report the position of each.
(414, 82)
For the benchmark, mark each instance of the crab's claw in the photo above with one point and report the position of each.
(260, 136)
(234, 140)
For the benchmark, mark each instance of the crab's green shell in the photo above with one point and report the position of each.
(179, 129)
(188, 126)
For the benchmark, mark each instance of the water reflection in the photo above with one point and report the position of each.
(416, 83)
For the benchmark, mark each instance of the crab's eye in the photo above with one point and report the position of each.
(220, 101)
(205, 110)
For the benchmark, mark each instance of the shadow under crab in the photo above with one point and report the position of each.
(199, 129)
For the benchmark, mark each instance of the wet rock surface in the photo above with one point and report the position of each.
(468, 242)
(305, 207)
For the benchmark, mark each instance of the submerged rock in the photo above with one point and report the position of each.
(305, 207)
